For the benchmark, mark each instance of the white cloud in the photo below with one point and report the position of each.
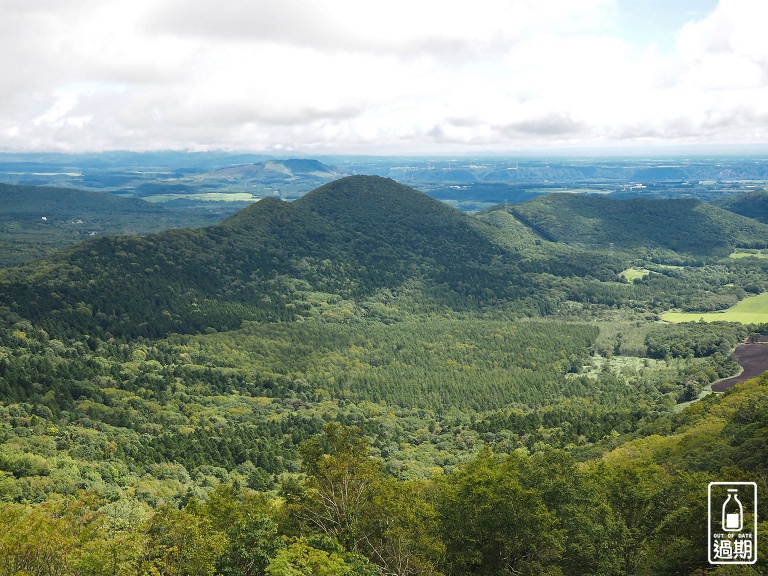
(344, 75)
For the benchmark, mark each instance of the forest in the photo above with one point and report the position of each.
(367, 381)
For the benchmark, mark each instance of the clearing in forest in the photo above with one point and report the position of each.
(752, 310)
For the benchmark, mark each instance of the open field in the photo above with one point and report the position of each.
(741, 253)
(632, 274)
(750, 310)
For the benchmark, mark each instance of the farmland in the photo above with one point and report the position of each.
(750, 310)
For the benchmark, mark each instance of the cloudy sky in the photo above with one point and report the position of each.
(382, 77)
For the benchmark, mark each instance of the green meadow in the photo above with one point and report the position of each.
(632, 274)
(750, 310)
(749, 254)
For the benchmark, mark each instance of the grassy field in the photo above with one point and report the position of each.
(749, 254)
(632, 274)
(750, 310)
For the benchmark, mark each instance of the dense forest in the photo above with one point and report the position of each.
(752, 204)
(367, 381)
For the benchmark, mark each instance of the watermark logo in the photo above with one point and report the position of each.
(732, 535)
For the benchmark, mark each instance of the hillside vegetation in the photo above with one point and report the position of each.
(357, 236)
(687, 225)
(751, 204)
(259, 264)
(368, 382)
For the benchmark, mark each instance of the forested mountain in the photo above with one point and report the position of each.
(684, 225)
(36, 220)
(752, 205)
(349, 238)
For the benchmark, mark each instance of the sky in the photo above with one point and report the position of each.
(382, 77)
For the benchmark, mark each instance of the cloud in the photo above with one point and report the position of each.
(395, 27)
(552, 125)
(344, 75)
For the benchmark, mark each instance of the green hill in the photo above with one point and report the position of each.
(681, 225)
(349, 239)
(36, 220)
(394, 216)
(752, 205)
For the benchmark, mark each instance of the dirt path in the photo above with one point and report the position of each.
(753, 358)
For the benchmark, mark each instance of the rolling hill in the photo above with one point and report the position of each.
(365, 239)
(681, 225)
(752, 205)
(276, 171)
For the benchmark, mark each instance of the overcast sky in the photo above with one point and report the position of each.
(381, 77)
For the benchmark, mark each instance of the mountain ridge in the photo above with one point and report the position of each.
(751, 204)
(681, 225)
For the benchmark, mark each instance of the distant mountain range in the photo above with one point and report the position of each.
(271, 170)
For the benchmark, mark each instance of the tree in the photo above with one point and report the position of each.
(182, 543)
(318, 556)
(401, 529)
(492, 524)
(252, 534)
(640, 498)
(342, 480)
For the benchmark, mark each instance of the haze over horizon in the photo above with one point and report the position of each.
(342, 77)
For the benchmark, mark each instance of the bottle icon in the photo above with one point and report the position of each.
(733, 513)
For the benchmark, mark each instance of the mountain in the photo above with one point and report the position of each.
(681, 225)
(752, 205)
(36, 220)
(392, 215)
(350, 238)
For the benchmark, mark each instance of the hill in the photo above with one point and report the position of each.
(680, 225)
(752, 205)
(367, 339)
(36, 220)
(395, 216)
(349, 239)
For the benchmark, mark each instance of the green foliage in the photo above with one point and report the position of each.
(685, 226)
(494, 522)
(182, 543)
(750, 204)
(433, 363)
(342, 481)
(694, 339)
(315, 556)
(382, 406)
(252, 534)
